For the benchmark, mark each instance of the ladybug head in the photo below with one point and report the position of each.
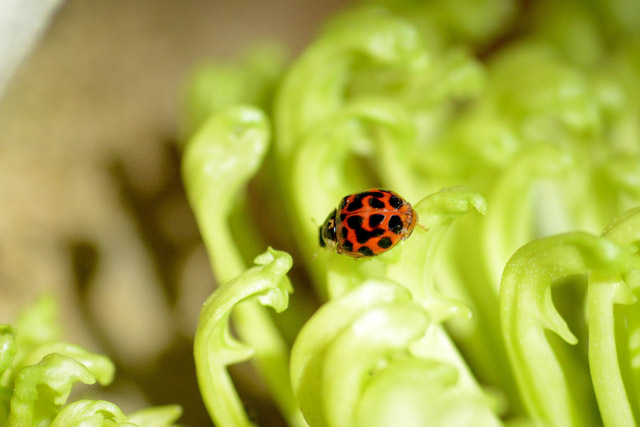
(327, 232)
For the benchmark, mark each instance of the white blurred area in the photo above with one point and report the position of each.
(21, 23)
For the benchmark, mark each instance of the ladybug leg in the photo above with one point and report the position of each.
(422, 226)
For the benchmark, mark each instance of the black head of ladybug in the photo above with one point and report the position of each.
(327, 231)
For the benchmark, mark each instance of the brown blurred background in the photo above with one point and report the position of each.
(91, 205)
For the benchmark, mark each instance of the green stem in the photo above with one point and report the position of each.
(613, 401)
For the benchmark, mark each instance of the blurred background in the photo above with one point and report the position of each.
(91, 204)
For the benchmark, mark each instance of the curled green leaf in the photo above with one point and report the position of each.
(416, 392)
(215, 348)
(412, 392)
(513, 219)
(101, 367)
(315, 87)
(307, 354)
(218, 161)
(413, 264)
(41, 390)
(91, 413)
(359, 349)
(554, 392)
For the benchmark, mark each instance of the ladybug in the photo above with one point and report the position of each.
(367, 224)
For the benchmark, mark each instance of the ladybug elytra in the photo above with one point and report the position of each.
(369, 223)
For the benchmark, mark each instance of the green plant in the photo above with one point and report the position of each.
(37, 372)
(508, 141)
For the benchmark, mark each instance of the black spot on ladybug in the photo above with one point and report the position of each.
(362, 235)
(376, 194)
(365, 251)
(345, 232)
(395, 224)
(347, 246)
(376, 203)
(375, 220)
(385, 242)
(354, 221)
(356, 203)
(395, 202)
(342, 216)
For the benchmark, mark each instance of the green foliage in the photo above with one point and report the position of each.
(38, 371)
(517, 145)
